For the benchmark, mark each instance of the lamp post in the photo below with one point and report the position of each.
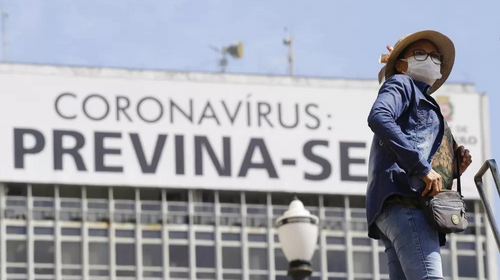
(298, 234)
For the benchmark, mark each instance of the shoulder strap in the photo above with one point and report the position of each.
(459, 186)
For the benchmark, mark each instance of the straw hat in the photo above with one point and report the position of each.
(443, 44)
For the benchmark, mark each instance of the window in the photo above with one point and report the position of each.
(16, 251)
(467, 266)
(280, 261)
(258, 258)
(205, 256)
(71, 253)
(125, 254)
(178, 255)
(362, 262)
(336, 261)
(99, 253)
(152, 255)
(231, 257)
(44, 252)
(383, 264)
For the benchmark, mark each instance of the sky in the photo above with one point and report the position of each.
(340, 39)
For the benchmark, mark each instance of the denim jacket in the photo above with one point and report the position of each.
(408, 127)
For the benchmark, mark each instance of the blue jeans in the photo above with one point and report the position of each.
(411, 245)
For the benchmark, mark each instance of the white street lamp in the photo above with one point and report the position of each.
(298, 234)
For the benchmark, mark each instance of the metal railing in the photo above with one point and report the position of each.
(478, 179)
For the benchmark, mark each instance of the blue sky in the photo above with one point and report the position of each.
(333, 38)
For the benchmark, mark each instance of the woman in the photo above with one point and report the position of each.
(411, 153)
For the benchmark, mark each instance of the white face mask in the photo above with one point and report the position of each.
(424, 71)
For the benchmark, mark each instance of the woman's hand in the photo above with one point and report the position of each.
(433, 183)
(466, 159)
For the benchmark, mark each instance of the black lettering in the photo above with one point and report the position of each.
(85, 107)
(318, 122)
(188, 116)
(202, 141)
(101, 151)
(326, 167)
(233, 117)
(205, 114)
(280, 117)
(59, 151)
(56, 105)
(139, 109)
(141, 157)
(249, 117)
(179, 155)
(120, 108)
(267, 163)
(345, 161)
(20, 150)
(264, 114)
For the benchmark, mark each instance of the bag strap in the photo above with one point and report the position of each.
(459, 185)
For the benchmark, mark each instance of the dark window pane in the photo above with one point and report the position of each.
(231, 257)
(153, 274)
(151, 234)
(181, 275)
(228, 276)
(231, 237)
(205, 275)
(98, 272)
(361, 242)
(178, 256)
(125, 233)
(17, 270)
(177, 235)
(335, 240)
(205, 256)
(44, 231)
(466, 246)
(357, 201)
(336, 261)
(316, 262)
(280, 261)
(44, 271)
(71, 252)
(257, 238)
(152, 255)
(258, 258)
(74, 272)
(383, 265)
(467, 266)
(99, 253)
(71, 231)
(125, 254)
(205, 235)
(485, 262)
(98, 232)
(17, 230)
(258, 277)
(44, 252)
(16, 251)
(125, 273)
(362, 262)
(446, 262)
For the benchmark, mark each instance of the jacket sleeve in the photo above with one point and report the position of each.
(392, 101)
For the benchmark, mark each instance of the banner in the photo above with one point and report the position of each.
(210, 135)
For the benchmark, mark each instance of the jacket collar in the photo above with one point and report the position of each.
(423, 87)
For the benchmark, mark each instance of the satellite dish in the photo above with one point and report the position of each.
(235, 50)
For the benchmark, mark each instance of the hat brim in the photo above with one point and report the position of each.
(443, 44)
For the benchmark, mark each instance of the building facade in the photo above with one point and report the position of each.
(120, 174)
